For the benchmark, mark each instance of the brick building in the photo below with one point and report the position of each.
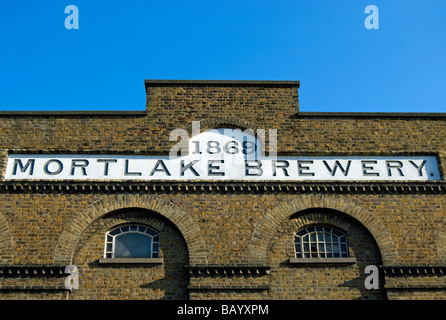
(222, 190)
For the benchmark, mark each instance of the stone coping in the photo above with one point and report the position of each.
(244, 83)
(143, 113)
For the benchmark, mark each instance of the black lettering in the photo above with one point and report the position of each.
(257, 166)
(365, 168)
(420, 167)
(336, 166)
(52, 173)
(300, 168)
(163, 168)
(29, 164)
(211, 168)
(189, 167)
(126, 171)
(75, 164)
(391, 164)
(283, 165)
(106, 163)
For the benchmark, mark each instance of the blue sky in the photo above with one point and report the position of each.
(342, 66)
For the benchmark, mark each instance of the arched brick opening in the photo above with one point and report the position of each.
(265, 229)
(167, 280)
(186, 225)
(324, 281)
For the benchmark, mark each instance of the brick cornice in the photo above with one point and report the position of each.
(12, 186)
(228, 270)
(12, 270)
(420, 270)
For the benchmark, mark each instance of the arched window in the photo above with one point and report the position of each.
(132, 241)
(320, 242)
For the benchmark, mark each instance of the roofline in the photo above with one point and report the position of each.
(80, 113)
(270, 83)
(369, 115)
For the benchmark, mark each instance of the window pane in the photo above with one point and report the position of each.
(298, 249)
(133, 245)
(322, 242)
(314, 251)
(151, 232)
(301, 233)
(336, 232)
(313, 237)
(114, 232)
(335, 247)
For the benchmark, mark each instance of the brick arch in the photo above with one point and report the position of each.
(257, 251)
(312, 217)
(189, 229)
(229, 122)
(6, 242)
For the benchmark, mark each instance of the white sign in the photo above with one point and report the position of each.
(216, 155)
